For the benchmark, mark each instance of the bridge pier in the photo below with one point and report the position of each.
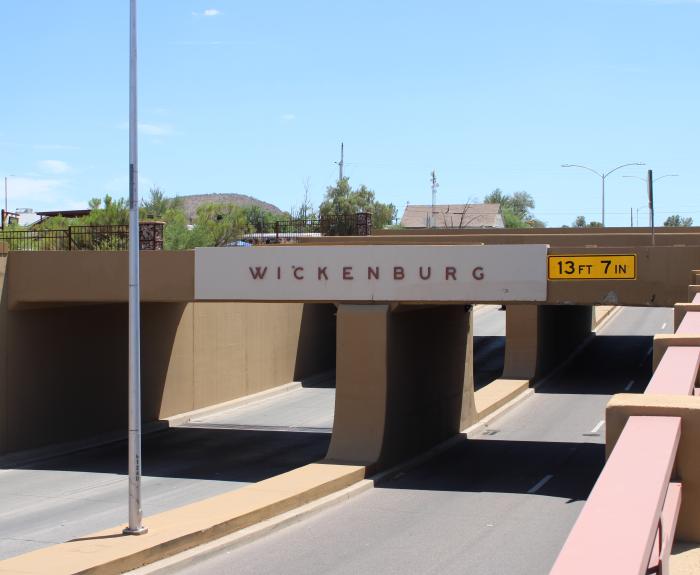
(404, 381)
(539, 337)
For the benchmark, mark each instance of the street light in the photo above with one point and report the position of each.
(653, 181)
(135, 526)
(5, 214)
(650, 180)
(602, 176)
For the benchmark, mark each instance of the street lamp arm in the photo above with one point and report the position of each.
(622, 166)
(583, 167)
(665, 176)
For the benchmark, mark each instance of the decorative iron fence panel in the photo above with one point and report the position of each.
(94, 238)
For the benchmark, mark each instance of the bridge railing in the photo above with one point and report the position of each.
(629, 520)
(96, 238)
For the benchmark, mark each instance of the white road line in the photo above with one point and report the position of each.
(598, 426)
(537, 486)
(664, 326)
(629, 385)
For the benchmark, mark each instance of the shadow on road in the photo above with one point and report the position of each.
(200, 453)
(481, 465)
(605, 366)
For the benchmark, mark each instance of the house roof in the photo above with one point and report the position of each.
(453, 216)
(64, 213)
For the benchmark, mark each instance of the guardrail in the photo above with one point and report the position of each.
(628, 523)
(96, 238)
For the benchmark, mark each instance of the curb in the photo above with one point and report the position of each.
(172, 532)
(253, 533)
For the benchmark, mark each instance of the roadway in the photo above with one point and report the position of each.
(501, 502)
(60, 498)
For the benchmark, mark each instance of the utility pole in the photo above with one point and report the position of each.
(433, 186)
(341, 163)
(135, 526)
(631, 219)
(650, 186)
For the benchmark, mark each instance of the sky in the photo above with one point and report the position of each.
(255, 98)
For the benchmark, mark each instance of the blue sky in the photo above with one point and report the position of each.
(255, 98)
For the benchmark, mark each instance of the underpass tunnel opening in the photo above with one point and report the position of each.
(65, 367)
(489, 326)
(316, 349)
(64, 388)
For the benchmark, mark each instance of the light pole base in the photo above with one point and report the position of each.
(138, 531)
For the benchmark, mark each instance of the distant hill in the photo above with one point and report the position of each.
(191, 203)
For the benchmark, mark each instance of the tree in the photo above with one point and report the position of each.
(306, 210)
(107, 212)
(258, 219)
(157, 206)
(218, 225)
(580, 222)
(342, 200)
(676, 221)
(515, 209)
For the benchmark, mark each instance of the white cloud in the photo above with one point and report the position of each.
(54, 166)
(155, 129)
(201, 43)
(29, 192)
(54, 147)
(209, 12)
(288, 117)
(119, 186)
(148, 129)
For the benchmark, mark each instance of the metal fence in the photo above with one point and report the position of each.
(95, 238)
(283, 231)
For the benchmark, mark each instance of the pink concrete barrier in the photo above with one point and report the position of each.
(661, 551)
(677, 372)
(690, 324)
(624, 515)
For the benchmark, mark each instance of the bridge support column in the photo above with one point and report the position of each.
(404, 381)
(538, 337)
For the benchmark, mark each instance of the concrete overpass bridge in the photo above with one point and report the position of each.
(403, 362)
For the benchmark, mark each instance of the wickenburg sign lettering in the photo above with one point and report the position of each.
(372, 273)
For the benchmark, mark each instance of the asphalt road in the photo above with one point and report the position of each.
(499, 503)
(61, 498)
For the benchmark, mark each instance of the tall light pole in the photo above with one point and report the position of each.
(5, 212)
(135, 526)
(602, 176)
(651, 198)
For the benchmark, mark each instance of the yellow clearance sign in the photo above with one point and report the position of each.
(597, 267)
